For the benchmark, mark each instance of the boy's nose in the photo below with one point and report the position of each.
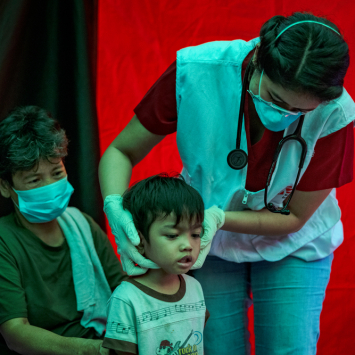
(186, 244)
(187, 247)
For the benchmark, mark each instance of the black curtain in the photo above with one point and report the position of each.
(48, 59)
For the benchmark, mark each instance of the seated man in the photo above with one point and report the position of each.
(58, 268)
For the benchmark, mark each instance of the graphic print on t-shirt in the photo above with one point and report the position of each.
(284, 193)
(140, 323)
(169, 311)
(186, 348)
(186, 344)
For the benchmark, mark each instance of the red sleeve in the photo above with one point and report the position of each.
(332, 163)
(157, 111)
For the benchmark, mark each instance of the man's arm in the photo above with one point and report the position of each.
(263, 222)
(27, 339)
(104, 351)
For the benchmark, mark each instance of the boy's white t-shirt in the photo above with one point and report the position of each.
(143, 321)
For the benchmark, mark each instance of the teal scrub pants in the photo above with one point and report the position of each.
(287, 298)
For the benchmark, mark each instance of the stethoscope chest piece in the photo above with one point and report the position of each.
(237, 159)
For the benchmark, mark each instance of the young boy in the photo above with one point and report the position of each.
(162, 311)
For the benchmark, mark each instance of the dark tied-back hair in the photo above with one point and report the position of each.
(159, 196)
(307, 58)
(28, 135)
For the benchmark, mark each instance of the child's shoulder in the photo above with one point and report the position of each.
(189, 278)
(193, 289)
(125, 290)
(190, 281)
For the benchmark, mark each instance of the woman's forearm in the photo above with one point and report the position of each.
(264, 222)
(115, 172)
(261, 222)
(127, 150)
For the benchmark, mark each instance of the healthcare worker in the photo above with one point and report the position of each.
(282, 220)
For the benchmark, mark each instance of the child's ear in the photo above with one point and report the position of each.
(140, 246)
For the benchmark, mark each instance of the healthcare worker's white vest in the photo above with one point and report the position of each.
(208, 92)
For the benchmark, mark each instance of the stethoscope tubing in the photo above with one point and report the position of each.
(296, 135)
(242, 102)
(239, 153)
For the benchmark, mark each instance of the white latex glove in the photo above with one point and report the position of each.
(214, 220)
(126, 237)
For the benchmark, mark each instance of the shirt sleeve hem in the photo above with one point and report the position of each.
(153, 127)
(207, 316)
(120, 345)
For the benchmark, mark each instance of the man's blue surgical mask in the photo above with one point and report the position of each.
(44, 204)
(273, 117)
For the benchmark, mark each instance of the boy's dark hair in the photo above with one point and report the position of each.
(307, 58)
(28, 135)
(160, 195)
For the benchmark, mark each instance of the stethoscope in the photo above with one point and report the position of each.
(238, 158)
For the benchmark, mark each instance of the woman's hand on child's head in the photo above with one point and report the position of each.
(126, 237)
(214, 220)
(133, 262)
(120, 220)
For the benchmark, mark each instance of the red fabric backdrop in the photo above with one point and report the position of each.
(137, 41)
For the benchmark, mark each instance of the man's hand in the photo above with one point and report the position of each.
(87, 346)
(103, 351)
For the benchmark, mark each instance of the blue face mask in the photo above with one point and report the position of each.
(44, 204)
(273, 117)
